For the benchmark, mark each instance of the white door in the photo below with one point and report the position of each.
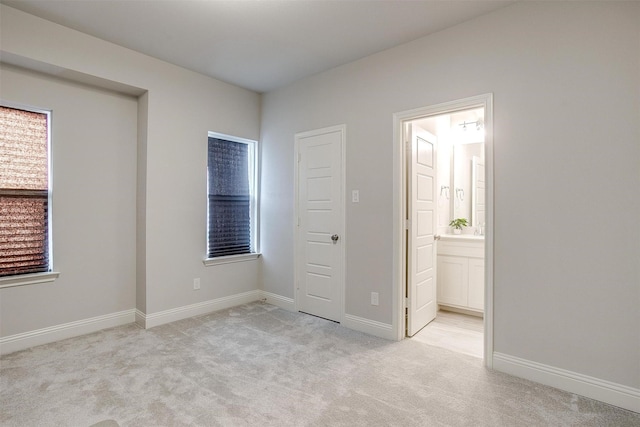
(421, 210)
(319, 231)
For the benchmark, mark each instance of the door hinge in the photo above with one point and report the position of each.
(298, 221)
(407, 224)
(406, 302)
(299, 157)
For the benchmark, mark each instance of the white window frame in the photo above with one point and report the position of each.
(51, 275)
(254, 191)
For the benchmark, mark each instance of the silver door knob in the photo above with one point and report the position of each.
(335, 238)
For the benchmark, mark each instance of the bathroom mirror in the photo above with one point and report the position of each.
(460, 166)
(467, 178)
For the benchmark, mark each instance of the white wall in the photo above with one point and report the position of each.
(93, 153)
(566, 83)
(175, 110)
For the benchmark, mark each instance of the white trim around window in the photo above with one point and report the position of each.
(230, 259)
(28, 279)
(254, 182)
(47, 276)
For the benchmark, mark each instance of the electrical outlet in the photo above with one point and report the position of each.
(374, 298)
(196, 283)
(355, 196)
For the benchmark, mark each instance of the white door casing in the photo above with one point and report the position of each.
(422, 222)
(319, 228)
(400, 252)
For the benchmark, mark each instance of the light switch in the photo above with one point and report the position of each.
(355, 196)
(374, 298)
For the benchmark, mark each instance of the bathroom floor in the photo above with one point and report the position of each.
(456, 332)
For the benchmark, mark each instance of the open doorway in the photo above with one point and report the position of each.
(459, 202)
(445, 275)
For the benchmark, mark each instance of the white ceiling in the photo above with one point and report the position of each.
(259, 45)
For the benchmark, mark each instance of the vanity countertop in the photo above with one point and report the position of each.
(468, 237)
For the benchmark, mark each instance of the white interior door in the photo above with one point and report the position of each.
(319, 231)
(421, 210)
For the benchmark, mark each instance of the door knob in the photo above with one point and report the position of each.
(335, 238)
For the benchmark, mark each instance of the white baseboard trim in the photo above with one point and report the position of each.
(278, 300)
(51, 334)
(167, 316)
(371, 327)
(594, 388)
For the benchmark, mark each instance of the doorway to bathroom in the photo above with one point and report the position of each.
(445, 225)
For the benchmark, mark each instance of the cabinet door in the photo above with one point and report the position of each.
(453, 278)
(476, 283)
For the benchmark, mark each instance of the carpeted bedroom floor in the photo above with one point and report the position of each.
(259, 365)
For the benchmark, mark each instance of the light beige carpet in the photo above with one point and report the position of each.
(258, 365)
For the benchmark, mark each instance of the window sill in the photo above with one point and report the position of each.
(28, 279)
(229, 259)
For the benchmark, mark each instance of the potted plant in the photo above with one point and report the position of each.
(457, 224)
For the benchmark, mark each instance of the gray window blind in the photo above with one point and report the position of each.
(24, 192)
(229, 198)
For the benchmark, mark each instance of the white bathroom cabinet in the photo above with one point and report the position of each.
(461, 273)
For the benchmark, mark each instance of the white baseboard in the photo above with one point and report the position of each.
(371, 327)
(278, 300)
(360, 324)
(594, 388)
(167, 316)
(25, 340)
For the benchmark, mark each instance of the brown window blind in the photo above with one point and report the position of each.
(24, 192)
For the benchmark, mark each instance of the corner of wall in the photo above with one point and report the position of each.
(278, 300)
(141, 205)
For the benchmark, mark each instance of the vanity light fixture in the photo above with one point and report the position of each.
(478, 123)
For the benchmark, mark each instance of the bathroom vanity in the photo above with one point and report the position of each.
(460, 273)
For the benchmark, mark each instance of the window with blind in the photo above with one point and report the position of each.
(24, 192)
(231, 196)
